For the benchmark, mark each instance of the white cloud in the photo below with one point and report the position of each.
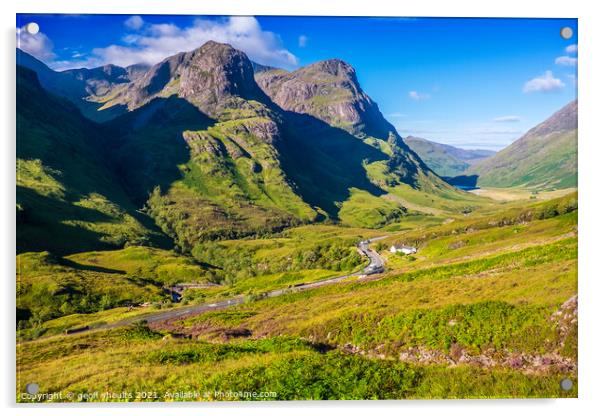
(507, 119)
(155, 42)
(38, 45)
(134, 23)
(566, 60)
(544, 83)
(571, 48)
(164, 29)
(303, 41)
(417, 96)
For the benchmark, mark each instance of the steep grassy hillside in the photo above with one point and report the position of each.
(443, 159)
(204, 179)
(545, 158)
(67, 198)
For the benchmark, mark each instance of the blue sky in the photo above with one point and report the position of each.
(473, 83)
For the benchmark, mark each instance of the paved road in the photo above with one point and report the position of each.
(376, 265)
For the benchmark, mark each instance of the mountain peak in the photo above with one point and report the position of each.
(334, 66)
(208, 77)
(212, 45)
(215, 72)
(562, 120)
(328, 90)
(544, 158)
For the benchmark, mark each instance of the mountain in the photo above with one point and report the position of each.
(86, 88)
(199, 146)
(251, 126)
(68, 199)
(328, 90)
(61, 84)
(214, 77)
(544, 158)
(360, 159)
(443, 159)
(101, 81)
(211, 147)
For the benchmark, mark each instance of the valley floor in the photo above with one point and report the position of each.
(518, 194)
(486, 308)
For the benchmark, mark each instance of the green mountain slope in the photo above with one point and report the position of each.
(544, 158)
(256, 166)
(67, 199)
(212, 149)
(205, 160)
(443, 159)
(359, 162)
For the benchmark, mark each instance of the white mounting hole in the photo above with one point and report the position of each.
(32, 28)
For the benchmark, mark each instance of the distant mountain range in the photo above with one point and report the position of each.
(87, 89)
(208, 145)
(446, 160)
(544, 158)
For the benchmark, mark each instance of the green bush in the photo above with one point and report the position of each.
(330, 376)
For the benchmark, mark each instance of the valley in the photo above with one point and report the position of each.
(279, 204)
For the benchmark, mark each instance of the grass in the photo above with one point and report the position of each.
(50, 286)
(490, 284)
(67, 198)
(546, 162)
(456, 247)
(163, 266)
(517, 194)
(363, 209)
(482, 285)
(292, 368)
(354, 312)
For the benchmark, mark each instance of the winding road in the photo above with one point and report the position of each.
(375, 266)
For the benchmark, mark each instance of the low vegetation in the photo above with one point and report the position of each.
(487, 305)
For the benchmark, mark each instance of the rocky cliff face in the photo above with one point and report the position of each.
(328, 90)
(216, 72)
(213, 77)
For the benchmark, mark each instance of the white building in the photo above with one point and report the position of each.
(403, 249)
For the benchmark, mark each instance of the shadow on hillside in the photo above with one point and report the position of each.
(325, 162)
(147, 145)
(463, 181)
(41, 225)
(70, 150)
(88, 267)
